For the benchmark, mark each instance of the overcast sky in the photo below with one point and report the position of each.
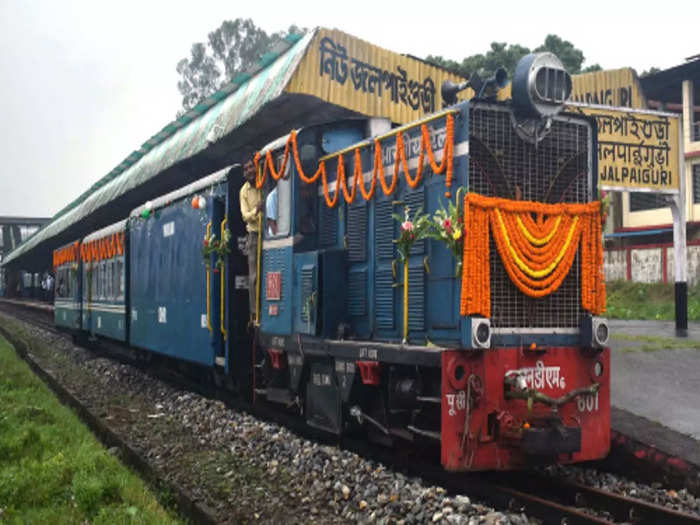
(84, 83)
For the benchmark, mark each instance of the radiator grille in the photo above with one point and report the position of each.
(357, 233)
(555, 170)
(384, 299)
(416, 298)
(357, 293)
(383, 230)
(329, 226)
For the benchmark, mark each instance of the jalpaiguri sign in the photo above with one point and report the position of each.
(637, 150)
(351, 73)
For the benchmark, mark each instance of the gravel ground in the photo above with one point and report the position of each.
(247, 470)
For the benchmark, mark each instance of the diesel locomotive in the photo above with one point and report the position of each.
(439, 281)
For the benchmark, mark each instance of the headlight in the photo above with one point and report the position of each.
(602, 333)
(541, 86)
(481, 332)
(595, 332)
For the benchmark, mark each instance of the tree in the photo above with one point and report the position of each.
(234, 47)
(650, 71)
(507, 56)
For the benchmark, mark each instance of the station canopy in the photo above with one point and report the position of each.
(321, 76)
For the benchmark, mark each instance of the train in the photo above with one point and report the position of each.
(437, 282)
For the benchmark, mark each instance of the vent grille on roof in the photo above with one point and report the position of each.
(555, 170)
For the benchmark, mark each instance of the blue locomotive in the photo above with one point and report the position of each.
(437, 281)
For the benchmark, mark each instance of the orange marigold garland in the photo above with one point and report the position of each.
(367, 194)
(446, 165)
(536, 253)
(104, 248)
(67, 254)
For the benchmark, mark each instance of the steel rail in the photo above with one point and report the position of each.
(622, 508)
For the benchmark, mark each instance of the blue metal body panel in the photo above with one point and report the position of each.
(67, 315)
(375, 276)
(168, 292)
(333, 286)
(109, 320)
(308, 233)
(340, 137)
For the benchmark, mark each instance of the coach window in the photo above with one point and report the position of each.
(101, 281)
(108, 280)
(119, 279)
(278, 204)
(96, 288)
(93, 281)
(96, 291)
(105, 280)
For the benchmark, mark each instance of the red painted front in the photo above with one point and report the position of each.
(473, 383)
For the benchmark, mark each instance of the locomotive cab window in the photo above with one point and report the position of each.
(278, 204)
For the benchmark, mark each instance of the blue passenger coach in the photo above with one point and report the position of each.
(103, 282)
(176, 293)
(67, 304)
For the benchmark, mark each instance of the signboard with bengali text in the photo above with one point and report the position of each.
(637, 150)
(357, 75)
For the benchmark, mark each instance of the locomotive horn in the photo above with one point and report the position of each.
(449, 89)
(498, 81)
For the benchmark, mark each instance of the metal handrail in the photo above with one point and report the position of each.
(222, 316)
(207, 265)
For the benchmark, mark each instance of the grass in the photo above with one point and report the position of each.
(52, 469)
(650, 343)
(656, 301)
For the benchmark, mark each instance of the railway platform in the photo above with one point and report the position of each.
(28, 303)
(655, 378)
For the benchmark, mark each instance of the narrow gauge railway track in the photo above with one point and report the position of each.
(621, 508)
(553, 500)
